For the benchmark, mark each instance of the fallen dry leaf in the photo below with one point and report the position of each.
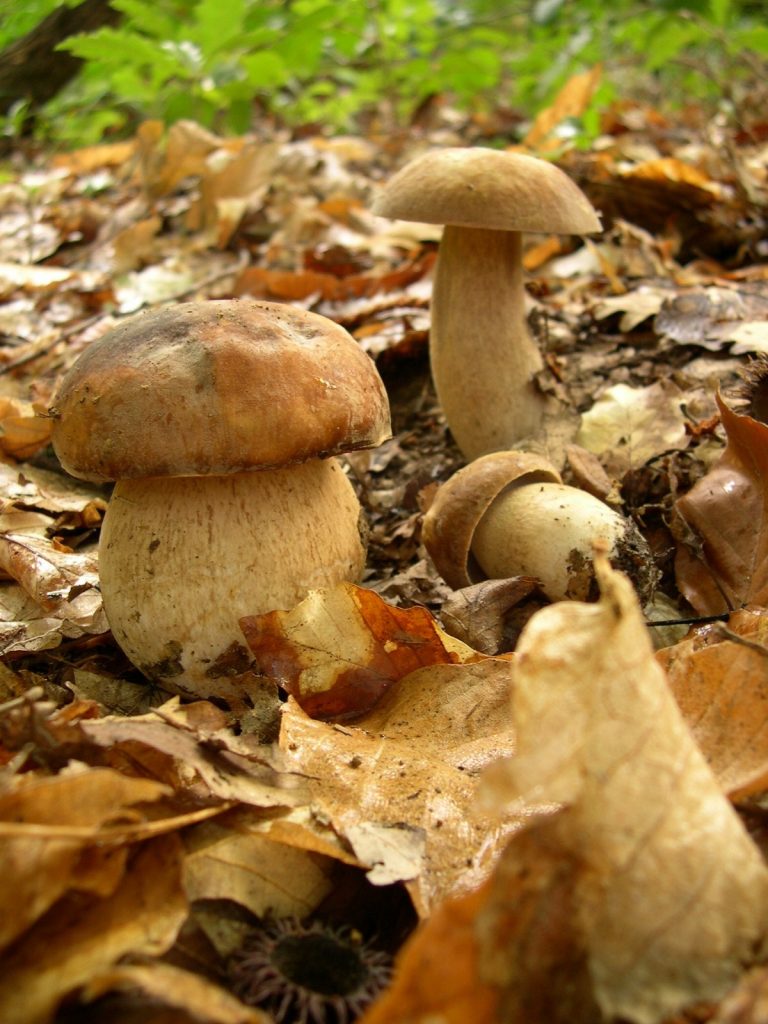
(748, 1003)
(438, 979)
(22, 431)
(478, 615)
(673, 896)
(571, 101)
(340, 649)
(401, 784)
(166, 985)
(635, 306)
(37, 865)
(228, 860)
(723, 563)
(509, 951)
(50, 574)
(641, 893)
(627, 426)
(189, 749)
(80, 937)
(719, 677)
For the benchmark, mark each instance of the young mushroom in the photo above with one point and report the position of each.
(218, 420)
(482, 355)
(509, 514)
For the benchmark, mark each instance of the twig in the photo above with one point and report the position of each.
(67, 333)
(696, 621)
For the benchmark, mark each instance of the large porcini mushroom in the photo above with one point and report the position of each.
(509, 514)
(482, 355)
(218, 420)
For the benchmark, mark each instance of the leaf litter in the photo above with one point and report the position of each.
(555, 816)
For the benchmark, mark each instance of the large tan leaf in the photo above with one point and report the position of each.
(673, 899)
(508, 952)
(642, 893)
(401, 784)
(727, 513)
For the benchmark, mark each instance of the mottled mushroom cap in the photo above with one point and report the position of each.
(487, 188)
(209, 388)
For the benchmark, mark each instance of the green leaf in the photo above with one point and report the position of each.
(217, 25)
(720, 11)
(265, 70)
(154, 19)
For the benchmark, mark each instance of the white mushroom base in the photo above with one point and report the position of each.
(548, 530)
(182, 559)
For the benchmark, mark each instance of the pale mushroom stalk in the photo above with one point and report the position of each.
(483, 358)
(181, 559)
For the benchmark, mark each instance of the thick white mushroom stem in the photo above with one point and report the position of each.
(182, 559)
(482, 354)
(548, 530)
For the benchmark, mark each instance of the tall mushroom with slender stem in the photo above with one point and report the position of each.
(482, 355)
(218, 420)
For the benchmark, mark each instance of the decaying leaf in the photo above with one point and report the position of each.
(643, 892)
(510, 951)
(165, 985)
(340, 649)
(438, 979)
(673, 899)
(628, 426)
(726, 513)
(748, 1002)
(719, 676)
(228, 860)
(401, 784)
(479, 615)
(571, 101)
(713, 317)
(55, 594)
(82, 936)
(634, 307)
(51, 576)
(189, 749)
(39, 864)
(22, 431)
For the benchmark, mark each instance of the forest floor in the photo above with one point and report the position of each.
(147, 840)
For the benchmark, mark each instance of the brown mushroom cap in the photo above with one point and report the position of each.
(206, 388)
(487, 188)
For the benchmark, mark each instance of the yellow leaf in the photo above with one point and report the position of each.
(572, 100)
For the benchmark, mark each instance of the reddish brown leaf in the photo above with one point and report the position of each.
(339, 650)
(727, 514)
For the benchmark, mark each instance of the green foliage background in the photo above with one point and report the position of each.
(303, 61)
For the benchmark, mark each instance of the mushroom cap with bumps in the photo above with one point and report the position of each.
(487, 188)
(213, 388)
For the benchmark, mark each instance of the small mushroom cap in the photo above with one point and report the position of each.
(462, 501)
(204, 388)
(487, 188)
